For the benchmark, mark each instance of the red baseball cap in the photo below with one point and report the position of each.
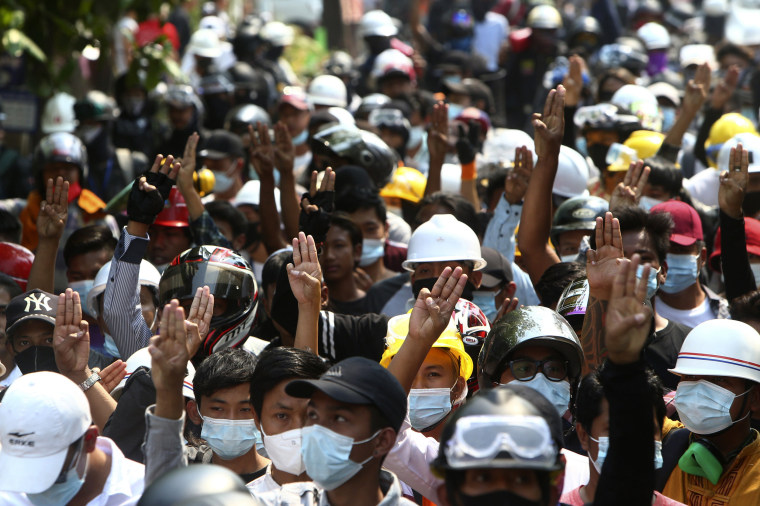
(687, 227)
(751, 231)
(295, 96)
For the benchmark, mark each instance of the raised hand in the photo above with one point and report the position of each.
(198, 321)
(113, 374)
(71, 336)
(516, 183)
(603, 263)
(438, 136)
(150, 190)
(573, 81)
(507, 306)
(305, 273)
(695, 94)
(550, 126)
(169, 350)
(53, 210)
(261, 152)
(284, 150)
(733, 182)
(627, 323)
(628, 193)
(725, 89)
(432, 309)
(187, 167)
(317, 205)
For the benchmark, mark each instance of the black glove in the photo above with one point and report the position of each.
(317, 222)
(467, 144)
(144, 206)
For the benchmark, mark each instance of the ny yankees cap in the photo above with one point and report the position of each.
(32, 305)
(358, 380)
(41, 415)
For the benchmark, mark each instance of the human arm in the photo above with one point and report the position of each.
(317, 206)
(694, 98)
(628, 192)
(718, 99)
(536, 221)
(573, 83)
(50, 225)
(438, 146)
(262, 158)
(305, 277)
(284, 159)
(71, 345)
(467, 148)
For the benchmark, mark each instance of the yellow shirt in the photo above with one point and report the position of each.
(738, 486)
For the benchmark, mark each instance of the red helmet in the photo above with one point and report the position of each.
(16, 262)
(175, 211)
(473, 326)
(229, 277)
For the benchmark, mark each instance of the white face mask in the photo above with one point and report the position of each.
(372, 251)
(569, 258)
(416, 134)
(704, 407)
(284, 450)
(647, 203)
(603, 445)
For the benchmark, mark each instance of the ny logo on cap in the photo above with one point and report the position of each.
(39, 299)
(335, 371)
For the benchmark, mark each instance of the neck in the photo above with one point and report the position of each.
(436, 431)
(281, 477)
(659, 322)
(731, 440)
(362, 488)
(98, 470)
(688, 298)
(245, 464)
(302, 149)
(589, 491)
(344, 290)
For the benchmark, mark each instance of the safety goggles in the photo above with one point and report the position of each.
(525, 369)
(480, 440)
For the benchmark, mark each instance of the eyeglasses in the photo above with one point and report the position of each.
(525, 369)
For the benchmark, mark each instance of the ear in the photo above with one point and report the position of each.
(443, 495)
(663, 275)
(191, 408)
(324, 295)
(458, 388)
(384, 442)
(387, 230)
(703, 257)
(239, 165)
(475, 278)
(91, 439)
(510, 290)
(357, 253)
(754, 399)
(582, 436)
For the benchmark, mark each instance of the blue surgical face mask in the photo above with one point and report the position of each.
(428, 406)
(416, 135)
(603, 444)
(83, 288)
(647, 203)
(229, 438)
(326, 456)
(109, 345)
(301, 138)
(668, 118)
(580, 145)
(682, 273)
(486, 302)
(59, 493)
(658, 461)
(557, 392)
(756, 272)
(455, 110)
(372, 251)
(569, 258)
(652, 283)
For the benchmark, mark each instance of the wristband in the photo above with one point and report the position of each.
(468, 171)
(89, 382)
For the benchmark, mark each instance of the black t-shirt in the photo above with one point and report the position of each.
(381, 292)
(356, 307)
(662, 352)
(248, 478)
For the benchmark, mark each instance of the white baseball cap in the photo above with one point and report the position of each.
(141, 358)
(41, 415)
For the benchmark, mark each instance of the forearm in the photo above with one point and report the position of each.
(270, 218)
(734, 258)
(469, 190)
(307, 329)
(289, 204)
(193, 200)
(42, 273)
(675, 135)
(710, 117)
(433, 184)
(592, 334)
(170, 402)
(568, 137)
(101, 402)
(163, 446)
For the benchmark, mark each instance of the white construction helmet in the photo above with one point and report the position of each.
(393, 61)
(249, 195)
(750, 141)
(572, 174)
(545, 17)
(205, 42)
(277, 34)
(642, 103)
(148, 276)
(377, 23)
(328, 90)
(443, 239)
(58, 115)
(654, 35)
(720, 348)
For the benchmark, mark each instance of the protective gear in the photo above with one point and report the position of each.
(642, 103)
(205, 43)
(528, 326)
(704, 407)
(682, 273)
(393, 61)
(731, 355)
(229, 438)
(652, 281)
(182, 96)
(407, 184)
(96, 106)
(572, 174)
(443, 239)
(222, 182)
(647, 203)
(58, 115)
(299, 139)
(586, 32)
(340, 64)
(726, 127)
(328, 90)
(326, 456)
(83, 288)
(16, 261)
(239, 117)
(703, 459)
(148, 276)
(146, 207)
(370, 103)
(577, 213)
(603, 444)
(545, 17)
(654, 35)
(606, 116)
(668, 117)
(284, 451)
(454, 111)
(372, 251)
(428, 406)
(377, 24)
(61, 148)
(616, 55)
(392, 119)
(229, 277)
(557, 392)
(750, 141)
(416, 136)
(486, 302)
(35, 359)
(639, 145)
(59, 493)
(88, 133)
(277, 34)
(174, 212)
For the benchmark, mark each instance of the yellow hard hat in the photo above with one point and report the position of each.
(407, 183)
(641, 144)
(398, 328)
(203, 180)
(724, 129)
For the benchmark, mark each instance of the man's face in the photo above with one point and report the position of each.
(439, 370)
(295, 119)
(228, 166)
(351, 420)
(87, 265)
(147, 305)
(339, 256)
(166, 243)
(369, 223)
(427, 270)
(535, 353)
(180, 117)
(30, 333)
(737, 386)
(396, 86)
(281, 412)
(570, 242)
(232, 403)
(656, 192)
(393, 139)
(638, 241)
(68, 171)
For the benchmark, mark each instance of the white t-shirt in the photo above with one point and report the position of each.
(689, 317)
(15, 373)
(488, 37)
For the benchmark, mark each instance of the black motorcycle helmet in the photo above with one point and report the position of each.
(205, 484)
(241, 116)
(577, 213)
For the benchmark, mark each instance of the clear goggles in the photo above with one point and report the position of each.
(524, 441)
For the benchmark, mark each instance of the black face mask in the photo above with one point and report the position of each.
(498, 498)
(428, 283)
(598, 154)
(35, 359)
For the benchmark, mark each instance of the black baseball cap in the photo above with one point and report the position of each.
(222, 144)
(32, 305)
(497, 270)
(358, 380)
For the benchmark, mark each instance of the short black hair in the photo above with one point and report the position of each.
(343, 221)
(273, 266)
(656, 225)
(277, 364)
(224, 369)
(88, 239)
(460, 207)
(10, 286)
(555, 279)
(664, 173)
(221, 210)
(747, 307)
(350, 204)
(729, 48)
(10, 227)
(588, 398)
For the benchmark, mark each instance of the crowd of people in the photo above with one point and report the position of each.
(498, 252)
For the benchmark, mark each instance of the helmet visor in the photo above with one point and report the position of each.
(230, 283)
